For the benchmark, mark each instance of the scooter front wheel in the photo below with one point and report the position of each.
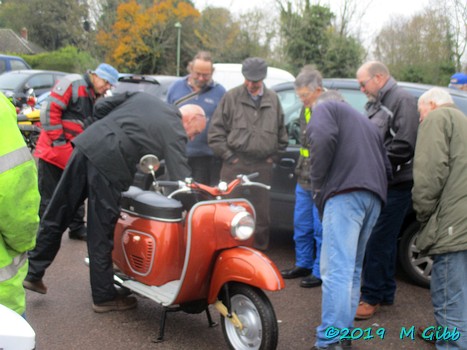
(257, 316)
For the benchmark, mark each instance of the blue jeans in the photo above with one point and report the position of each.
(347, 223)
(308, 232)
(379, 268)
(449, 296)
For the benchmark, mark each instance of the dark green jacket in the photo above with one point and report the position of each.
(440, 178)
(239, 128)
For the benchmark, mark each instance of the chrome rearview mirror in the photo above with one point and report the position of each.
(149, 164)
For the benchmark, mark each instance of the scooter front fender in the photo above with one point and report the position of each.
(244, 265)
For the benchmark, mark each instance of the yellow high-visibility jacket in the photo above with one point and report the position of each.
(19, 208)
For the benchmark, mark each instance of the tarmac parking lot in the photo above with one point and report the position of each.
(63, 318)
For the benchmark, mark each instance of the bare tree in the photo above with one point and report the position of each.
(417, 49)
(457, 12)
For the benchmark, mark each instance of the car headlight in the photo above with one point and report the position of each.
(242, 226)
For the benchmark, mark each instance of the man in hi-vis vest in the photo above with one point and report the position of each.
(19, 208)
(308, 231)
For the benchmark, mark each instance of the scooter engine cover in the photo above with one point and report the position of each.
(139, 249)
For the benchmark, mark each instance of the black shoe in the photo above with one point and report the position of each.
(80, 234)
(295, 272)
(310, 282)
(344, 345)
(334, 346)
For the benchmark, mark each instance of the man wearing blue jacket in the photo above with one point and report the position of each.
(349, 175)
(198, 88)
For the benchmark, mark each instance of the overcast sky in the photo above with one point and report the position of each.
(376, 15)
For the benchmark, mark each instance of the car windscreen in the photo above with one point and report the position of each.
(150, 88)
(461, 102)
(9, 81)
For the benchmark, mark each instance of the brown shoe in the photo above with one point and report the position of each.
(35, 286)
(420, 334)
(120, 303)
(365, 311)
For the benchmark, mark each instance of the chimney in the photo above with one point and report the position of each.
(24, 33)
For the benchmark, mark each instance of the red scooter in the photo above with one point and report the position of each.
(193, 248)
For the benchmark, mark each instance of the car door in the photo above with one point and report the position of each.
(283, 176)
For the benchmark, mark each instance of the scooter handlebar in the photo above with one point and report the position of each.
(250, 176)
(165, 183)
(220, 190)
(245, 181)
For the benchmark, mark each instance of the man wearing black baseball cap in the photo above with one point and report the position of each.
(247, 131)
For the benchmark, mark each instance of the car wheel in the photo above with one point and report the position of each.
(417, 267)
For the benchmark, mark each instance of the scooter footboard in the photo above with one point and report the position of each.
(244, 265)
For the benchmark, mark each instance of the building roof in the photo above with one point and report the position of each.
(10, 42)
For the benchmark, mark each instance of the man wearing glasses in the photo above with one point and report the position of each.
(308, 231)
(64, 115)
(394, 111)
(198, 88)
(247, 131)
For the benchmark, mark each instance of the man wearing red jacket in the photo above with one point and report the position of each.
(64, 115)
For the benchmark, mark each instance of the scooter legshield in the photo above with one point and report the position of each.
(244, 265)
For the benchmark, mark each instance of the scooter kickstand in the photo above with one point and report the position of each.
(210, 321)
(165, 310)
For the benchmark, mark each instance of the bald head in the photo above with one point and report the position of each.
(372, 76)
(193, 120)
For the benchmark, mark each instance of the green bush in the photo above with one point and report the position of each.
(68, 59)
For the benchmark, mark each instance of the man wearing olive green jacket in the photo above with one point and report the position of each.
(440, 201)
(19, 208)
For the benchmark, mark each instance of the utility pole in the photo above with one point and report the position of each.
(178, 25)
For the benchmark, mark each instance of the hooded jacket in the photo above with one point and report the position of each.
(19, 208)
(440, 176)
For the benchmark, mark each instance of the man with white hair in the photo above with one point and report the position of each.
(440, 201)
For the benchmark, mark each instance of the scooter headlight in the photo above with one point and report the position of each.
(242, 226)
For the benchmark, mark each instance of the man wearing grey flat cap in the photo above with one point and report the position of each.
(247, 131)
(64, 115)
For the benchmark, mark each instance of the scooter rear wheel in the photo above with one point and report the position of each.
(257, 315)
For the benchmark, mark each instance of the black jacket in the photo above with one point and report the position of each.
(134, 125)
(399, 131)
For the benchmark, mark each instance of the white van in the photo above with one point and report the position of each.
(230, 75)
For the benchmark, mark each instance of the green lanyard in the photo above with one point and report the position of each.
(304, 151)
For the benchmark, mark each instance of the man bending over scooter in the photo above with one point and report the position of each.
(103, 165)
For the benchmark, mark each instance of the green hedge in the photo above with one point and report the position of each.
(67, 59)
